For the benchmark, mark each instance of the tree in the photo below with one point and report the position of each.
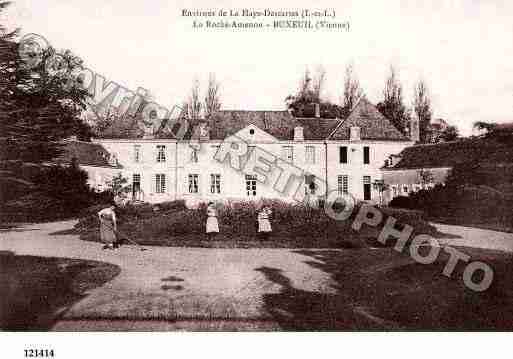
(193, 105)
(425, 177)
(422, 108)
(40, 105)
(212, 98)
(352, 89)
(392, 106)
(449, 134)
(308, 96)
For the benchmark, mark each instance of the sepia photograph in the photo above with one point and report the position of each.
(275, 166)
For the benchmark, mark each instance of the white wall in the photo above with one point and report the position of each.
(355, 169)
(178, 166)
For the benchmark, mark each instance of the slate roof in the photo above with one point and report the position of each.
(280, 124)
(86, 153)
(373, 125)
(449, 154)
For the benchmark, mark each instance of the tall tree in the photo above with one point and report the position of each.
(422, 108)
(39, 105)
(193, 106)
(212, 97)
(352, 89)
(309, 95)
(392, 105)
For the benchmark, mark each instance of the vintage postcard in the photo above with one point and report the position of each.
(276, 166)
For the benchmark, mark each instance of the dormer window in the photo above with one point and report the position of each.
(298, 134)
(354, 133)
(252, 131)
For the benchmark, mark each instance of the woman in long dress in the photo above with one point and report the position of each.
(212, 223)
(264, 222)
(108, 227)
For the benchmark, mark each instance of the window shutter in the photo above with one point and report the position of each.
(153, 183)
(168, 183)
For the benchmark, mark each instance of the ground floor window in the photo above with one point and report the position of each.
(343, 184)
(215, 183)
(366, 188)
(160, 183)
(251, 185)
(310, 184)
(193, 183)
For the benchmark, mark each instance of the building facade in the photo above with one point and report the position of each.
(249, 155)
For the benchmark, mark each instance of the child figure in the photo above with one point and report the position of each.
(212, 223)
(264, 223)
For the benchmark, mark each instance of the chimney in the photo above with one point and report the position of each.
(298, 133)
(317, 110)
(354, 134)
(204, 132)
(414, 129)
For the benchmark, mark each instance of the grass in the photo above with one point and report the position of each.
(36, 290)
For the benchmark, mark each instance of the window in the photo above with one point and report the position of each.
(137, 153)
(343, 184)
(394, 190)
(161, 153)
(310, 154)
(251, 182)
(287, 154)
(343, 154)
(193, 183)
(405, 189)
(136, 182)
(366, 155)
(194, 155)
(215, 183)
(310, 186)
(160, 183)
(366, 188)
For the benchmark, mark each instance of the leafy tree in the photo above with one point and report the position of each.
(449, 134)
(117, 185)
(39, 106)
(392, 106)
(303, 103)
(422, 108)
(426, 177)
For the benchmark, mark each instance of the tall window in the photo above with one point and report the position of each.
(310, 184)
(137, 153)
(161, 153)
(343, 184)
(343, 154)
(215, 183)
(160, 183)
(366, 188)
(136, 185)
(287, 154)
(366, 155)
(194, 155)
(310, 154)
(251, 183)
(193, 183)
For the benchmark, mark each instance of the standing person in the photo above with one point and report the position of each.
(264, 223)
(108, 227)
(212, 223)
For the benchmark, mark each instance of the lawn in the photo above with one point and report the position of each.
(36, 290)
(384, 290)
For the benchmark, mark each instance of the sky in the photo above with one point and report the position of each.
(462, 49)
